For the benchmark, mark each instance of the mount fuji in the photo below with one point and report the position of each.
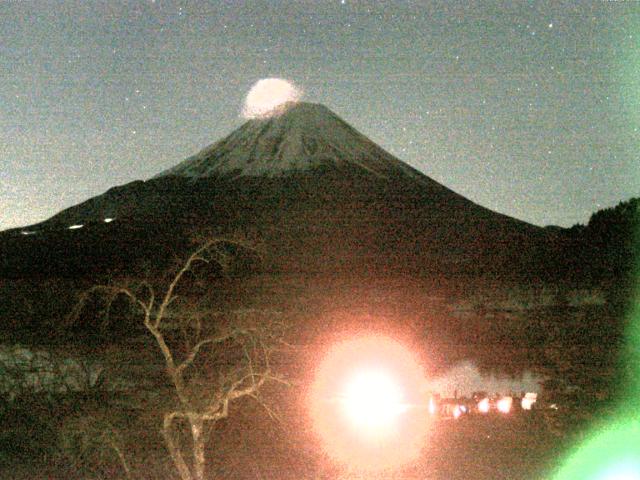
(319, 195)
(306, 137)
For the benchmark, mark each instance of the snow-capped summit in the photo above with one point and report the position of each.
(303, 137)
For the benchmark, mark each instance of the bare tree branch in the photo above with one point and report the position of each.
(196, 348)
(216, 364)
(195, 257)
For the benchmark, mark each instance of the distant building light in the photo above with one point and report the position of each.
(528, 400)
(504, 404)
(484, 405)
(28, 232)
(75, 227)
(108, 220)
(457, 411)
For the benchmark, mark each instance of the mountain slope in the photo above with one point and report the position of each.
(306, 136)
(317, 193)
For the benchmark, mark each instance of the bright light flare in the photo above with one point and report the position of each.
(361, 404)
(373, 401)
(484, 406)
(504, 404)
(269, 97)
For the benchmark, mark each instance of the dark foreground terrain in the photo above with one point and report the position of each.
(491, 447)
(566, 334)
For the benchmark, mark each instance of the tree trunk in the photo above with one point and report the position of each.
(198, 448)
(174, 451)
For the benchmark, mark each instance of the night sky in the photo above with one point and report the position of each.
(532, 110)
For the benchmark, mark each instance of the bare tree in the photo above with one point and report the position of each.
(211, 358)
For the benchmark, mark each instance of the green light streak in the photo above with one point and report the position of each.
(628, 84)
(613, 452)
(631, 357)
(631, 86)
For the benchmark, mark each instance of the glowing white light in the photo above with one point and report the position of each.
(108, 220)
(457, 411)
(373, 400)
(621, 471)
(269, 97)
(504, 404)
(28, 232)
(432, 406)
(484, 406)
(528, 400)
(75, 227)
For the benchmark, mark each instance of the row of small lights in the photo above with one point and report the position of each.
(70, 227)
(503, 405)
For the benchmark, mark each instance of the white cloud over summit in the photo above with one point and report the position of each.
(269, 97)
